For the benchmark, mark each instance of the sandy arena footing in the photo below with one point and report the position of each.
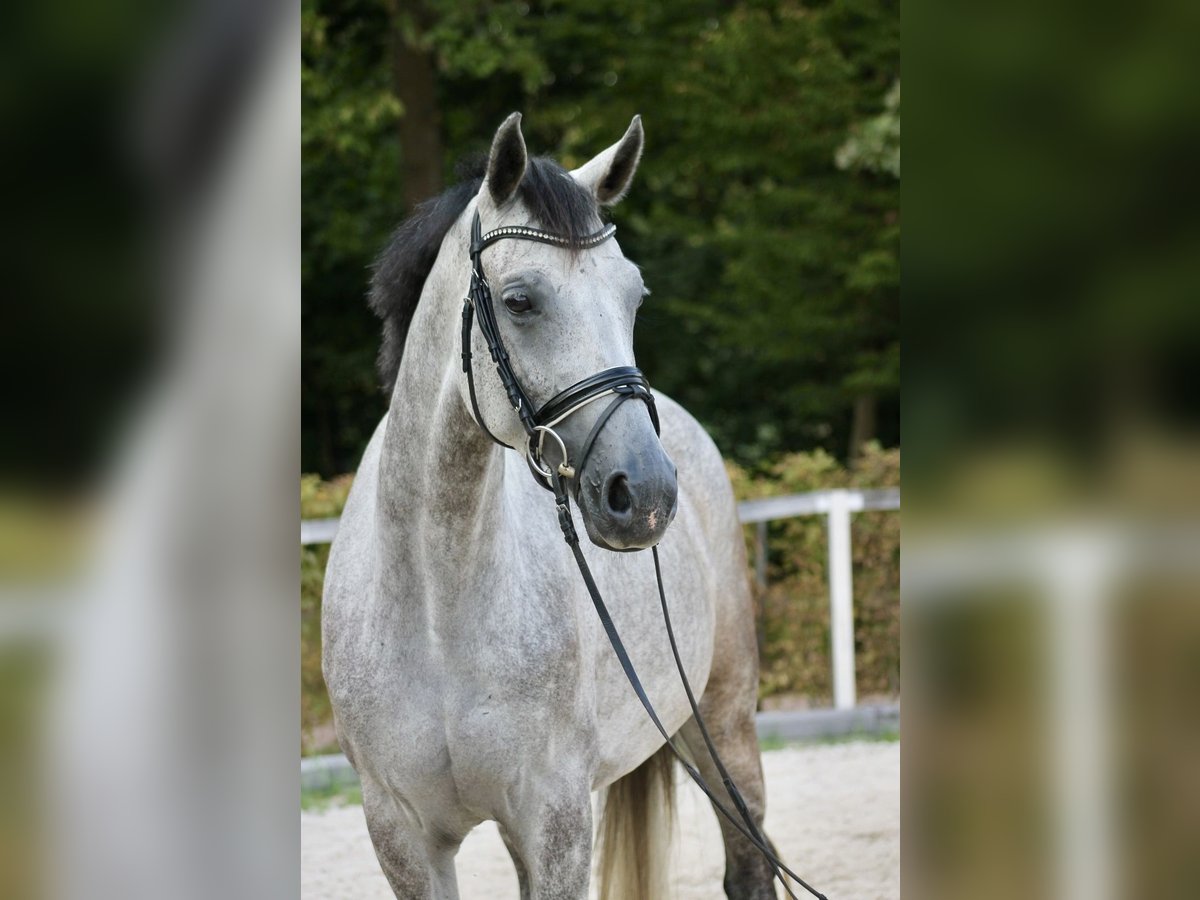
(832, 810)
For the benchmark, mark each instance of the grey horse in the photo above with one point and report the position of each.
(469, 676)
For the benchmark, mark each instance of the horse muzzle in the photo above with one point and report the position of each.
(628, 502)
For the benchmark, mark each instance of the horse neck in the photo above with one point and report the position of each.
(440, 478)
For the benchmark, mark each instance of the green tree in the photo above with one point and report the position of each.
(771, 250)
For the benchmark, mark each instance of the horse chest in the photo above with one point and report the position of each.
(461, 663)
(477, 709)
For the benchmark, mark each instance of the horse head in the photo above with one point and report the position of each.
(562, 302)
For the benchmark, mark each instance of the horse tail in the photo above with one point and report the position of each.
(634, 838)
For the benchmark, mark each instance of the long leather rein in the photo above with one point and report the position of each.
(622, 383)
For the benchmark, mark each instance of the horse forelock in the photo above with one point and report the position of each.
(552, 198)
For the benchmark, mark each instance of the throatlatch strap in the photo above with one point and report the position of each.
(468, 319)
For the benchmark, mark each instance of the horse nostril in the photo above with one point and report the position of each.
(617, 494)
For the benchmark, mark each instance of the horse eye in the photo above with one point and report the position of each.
(518, 303)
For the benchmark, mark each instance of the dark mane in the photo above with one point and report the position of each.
(555, 200)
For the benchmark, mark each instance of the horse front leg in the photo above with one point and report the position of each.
(549, 836)
(418, 866)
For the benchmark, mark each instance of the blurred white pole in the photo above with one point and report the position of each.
(841, 600)
(1080, 570)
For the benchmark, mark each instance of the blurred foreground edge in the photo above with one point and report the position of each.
(150, 759)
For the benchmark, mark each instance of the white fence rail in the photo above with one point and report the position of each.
(318, 531)
(835, 505)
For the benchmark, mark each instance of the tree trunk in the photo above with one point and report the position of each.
(414, 79)
(864, 427)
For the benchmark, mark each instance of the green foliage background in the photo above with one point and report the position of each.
(765, 214)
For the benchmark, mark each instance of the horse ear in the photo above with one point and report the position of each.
(507, 160)
(608, 175)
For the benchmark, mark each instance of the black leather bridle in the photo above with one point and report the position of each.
(622, 383)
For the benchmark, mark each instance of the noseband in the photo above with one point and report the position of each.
(620, 382)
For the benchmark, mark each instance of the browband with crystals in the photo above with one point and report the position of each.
(524, 232)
